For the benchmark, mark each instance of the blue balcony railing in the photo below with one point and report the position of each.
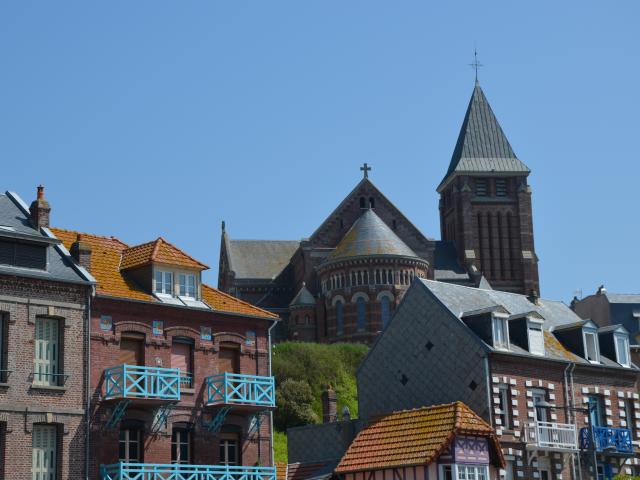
(136, 382)
(154, 471)
(607, 439)
(237, 389)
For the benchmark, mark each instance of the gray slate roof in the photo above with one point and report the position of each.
(370, 236)
(482, 146)
(445, 264)
(623, 297)
(14, 213)
(260, 259)
(303, 297)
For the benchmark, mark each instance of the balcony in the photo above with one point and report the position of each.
(131, 382)
(613, 441)
(551, 436)
(233, 389)
(154, 471)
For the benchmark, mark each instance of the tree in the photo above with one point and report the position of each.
(294, 399)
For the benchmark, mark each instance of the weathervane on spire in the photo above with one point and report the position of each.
(365, 169)
(476, 64)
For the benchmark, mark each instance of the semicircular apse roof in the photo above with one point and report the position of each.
(370, 236)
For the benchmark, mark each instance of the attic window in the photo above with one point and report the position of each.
(23, 255)
(481, 187)
(536, 337)
(187, 285)
(500, 330)
(591, 347)
(164, 283)
(622, 350)
(372, 202)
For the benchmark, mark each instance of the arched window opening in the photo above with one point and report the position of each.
(372, 202)
(363, 202)
(361, 307)
(385, 310)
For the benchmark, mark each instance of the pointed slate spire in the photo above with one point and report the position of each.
(482, 146)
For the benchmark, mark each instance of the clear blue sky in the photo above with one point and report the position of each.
(153, 118)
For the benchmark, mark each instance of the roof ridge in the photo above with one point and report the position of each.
(110, 237)
(162, 239)
(156, 247)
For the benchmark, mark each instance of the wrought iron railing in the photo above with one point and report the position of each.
(238, 389)
(41, 379)
(548, 435)
(133, 381)
(154, 471)
(607, 439)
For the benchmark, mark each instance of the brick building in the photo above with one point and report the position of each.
(541, 375)
(180, 377)
(44, 299)
(359, 262)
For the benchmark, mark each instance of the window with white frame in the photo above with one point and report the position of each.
(500, 331)
(539, 401)
(164, 282)
(591, 352)
(187, 283)
(457, 471)
(504, 403)
(44, 453)
(536, 338)
(622, 350)
(46, 359)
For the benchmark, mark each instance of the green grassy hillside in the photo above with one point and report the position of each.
(317, 365)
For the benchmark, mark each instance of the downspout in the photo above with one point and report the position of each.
(273, 459)
(87, 411)
(568, 393)
(487, 376)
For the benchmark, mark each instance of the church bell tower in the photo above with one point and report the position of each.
(485, 204)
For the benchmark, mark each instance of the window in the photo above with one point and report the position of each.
(594, 404)
(181, 444)
(45, 455)
(187, 285)
(539, 399)
(481, 187)
(385, 310)
(361, 308)
(23, 255)
(229, 451)
(536, 338)
(463, 472)
(501, 187)
(504, 404)
(622, 350)
(591, 347)
(363, 202)
(46, 361)
(629, 414)
(182, 358)
(4, 330)
(500, 332)
(130, 444)
(339, 318)
(164, 282)
(447, 472)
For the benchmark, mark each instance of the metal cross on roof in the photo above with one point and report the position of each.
(476, 64)
(365, 169)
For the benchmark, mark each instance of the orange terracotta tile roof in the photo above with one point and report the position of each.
(414, 437)
(106, 259)
(281, 471)
(158, 251)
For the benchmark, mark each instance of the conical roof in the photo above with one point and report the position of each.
(303, 297)
(482, 146)
(368, 236)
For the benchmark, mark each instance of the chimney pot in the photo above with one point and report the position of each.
(81, 252)
(40, 210)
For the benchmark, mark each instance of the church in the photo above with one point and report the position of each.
(343, 283)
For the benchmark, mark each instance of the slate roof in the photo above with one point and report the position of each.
(445, 263)
(158, 251)
(113, 281)
(623, 297)
(482, 146)
(414, 437)
(15, 218)
(461, 300)
(303, 297)
(370, 236)
(259, 259)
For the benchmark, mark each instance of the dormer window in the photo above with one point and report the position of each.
(187, 285)
(164, 282)
(536, 336)
(622, 349)
(591, 351)
(500, 331)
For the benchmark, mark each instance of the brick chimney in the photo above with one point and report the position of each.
(81, 252)
(40, 210)
(329, 405)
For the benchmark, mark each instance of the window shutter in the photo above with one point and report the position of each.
(47, 352)
(536, 341)
(44, 452)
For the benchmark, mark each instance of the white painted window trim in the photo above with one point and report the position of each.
(625, 339)
(502, 318)
(455, 470)
(594, 335)
(535, 323)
